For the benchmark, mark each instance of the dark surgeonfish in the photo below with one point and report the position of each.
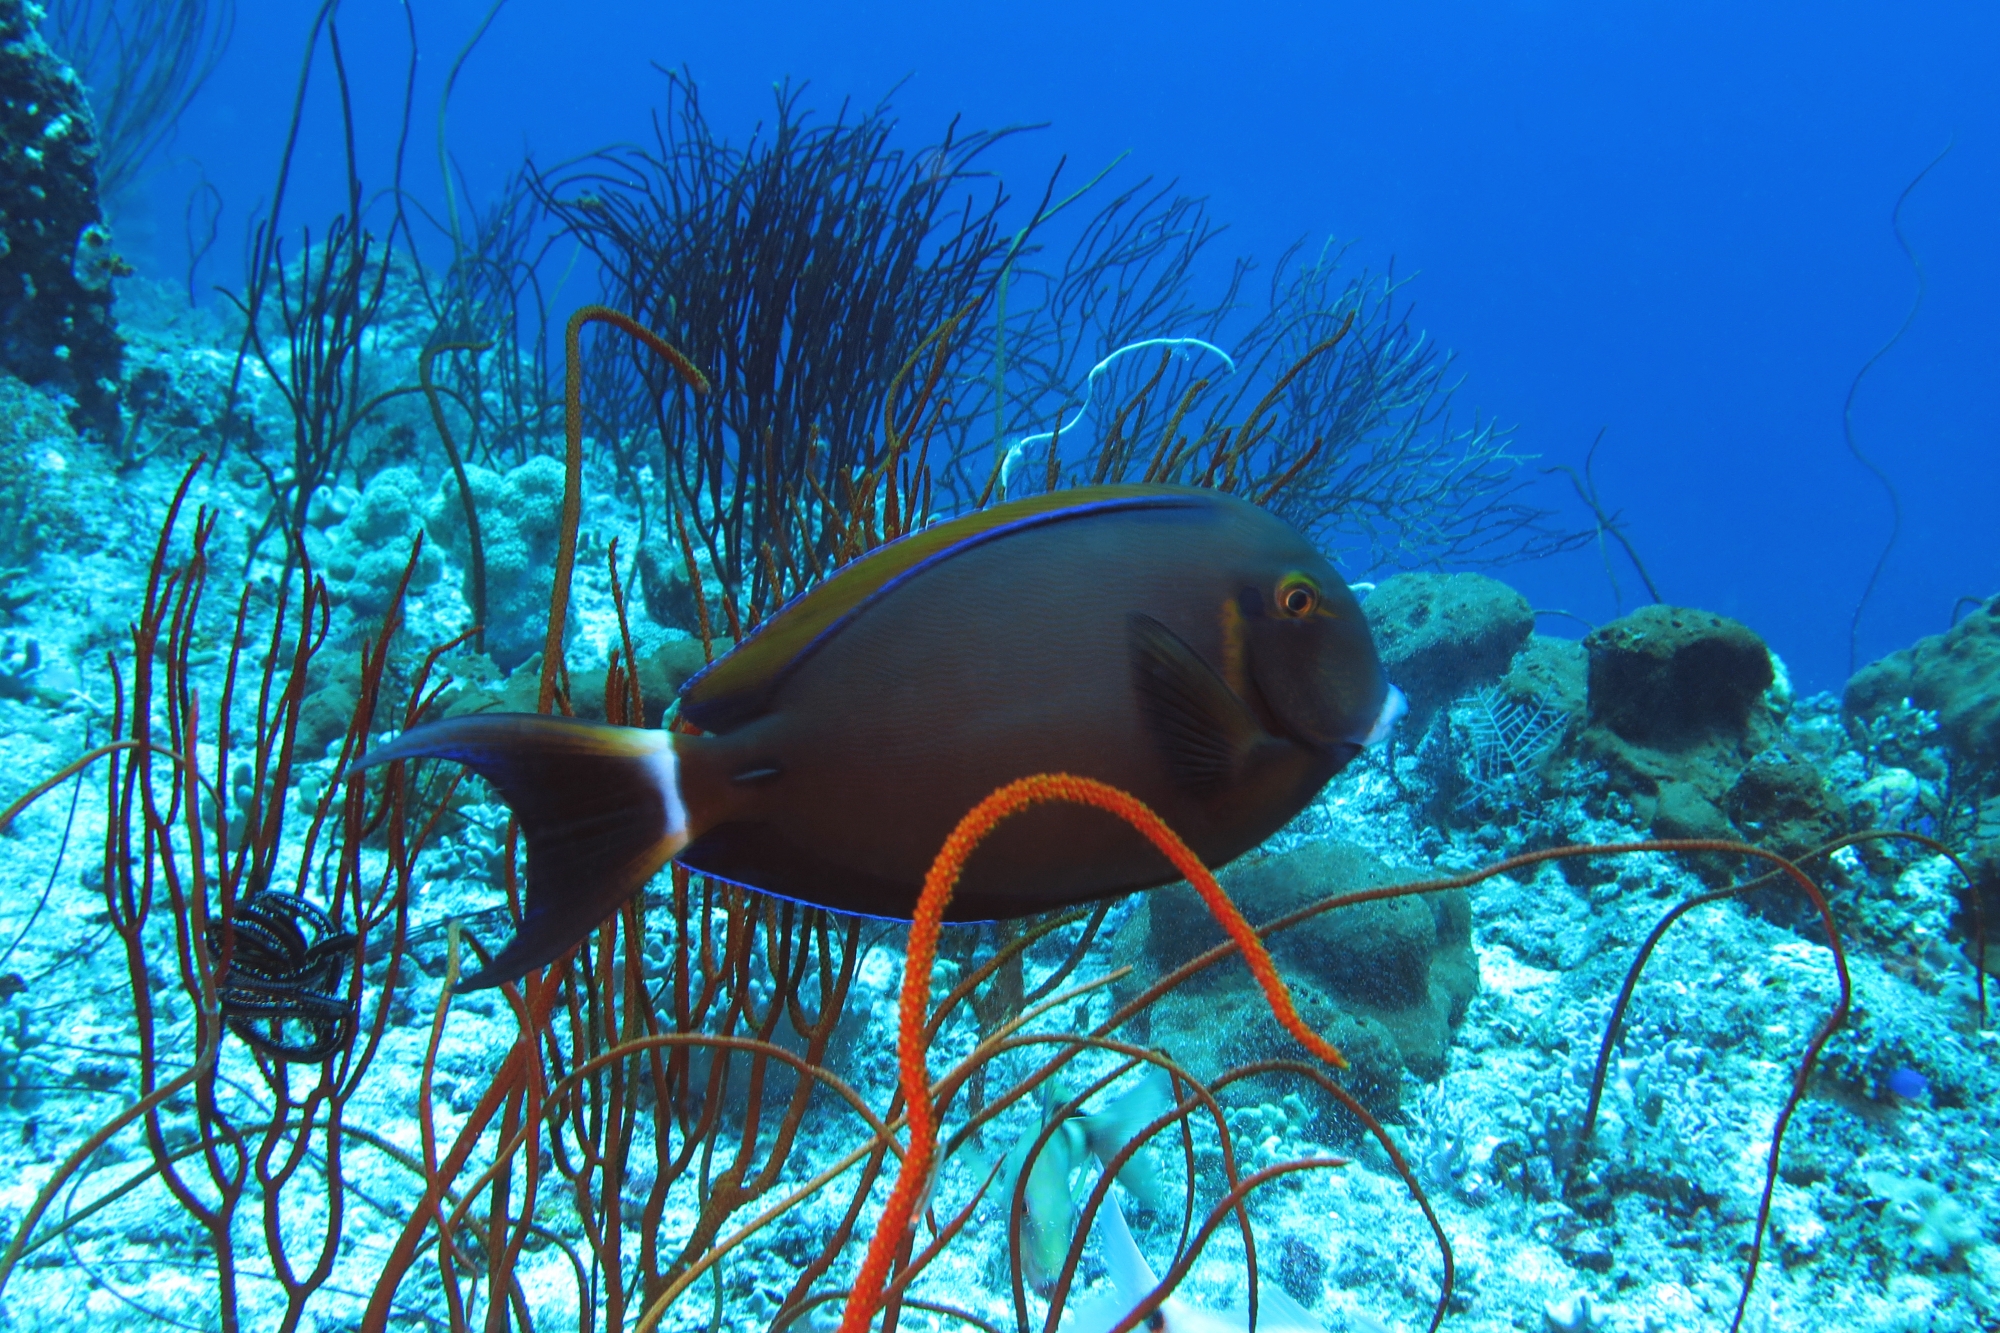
(1182, 644)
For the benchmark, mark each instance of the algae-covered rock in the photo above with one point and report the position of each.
(1389, 980)
(662, 672)
(668, 596)
(1784, 804)
(1955, 675)
(478, 686)
(1443, 634)
(324, 715)
(1552, 672)
(37, 449)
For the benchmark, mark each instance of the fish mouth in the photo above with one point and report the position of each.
(1394, 706)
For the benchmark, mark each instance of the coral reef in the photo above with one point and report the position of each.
(1955, 675)
(56, 257)
(518, 513)
(713, 1055)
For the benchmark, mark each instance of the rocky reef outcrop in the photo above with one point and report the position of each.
(1955, 675)
(1679, 702)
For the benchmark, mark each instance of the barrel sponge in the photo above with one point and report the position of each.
(1673, 679)
(1680, 702)
(1441, 635)
(520, 517)
(1955, 675)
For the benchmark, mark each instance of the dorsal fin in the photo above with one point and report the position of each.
(735, 688)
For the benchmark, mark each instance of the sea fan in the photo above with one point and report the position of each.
(1506, 738)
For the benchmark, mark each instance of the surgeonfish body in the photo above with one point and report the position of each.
(1049, 1211)
(1181, 644)
(1133, 1280)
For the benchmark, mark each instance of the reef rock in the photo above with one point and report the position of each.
(1443, 634)
(667, 595)
(478, 686)
(662, 672)
(1385, 982)
(1783, 804)
(38, 452)
(56, 260)
(1955, 674)
(1554, 673)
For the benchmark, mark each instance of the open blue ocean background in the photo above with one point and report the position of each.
(1667, 222)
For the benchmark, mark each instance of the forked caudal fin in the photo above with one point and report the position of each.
(599, 805)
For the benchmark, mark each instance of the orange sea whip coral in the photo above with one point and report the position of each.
(913, 1180)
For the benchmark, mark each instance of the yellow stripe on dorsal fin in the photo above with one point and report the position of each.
(736, 687)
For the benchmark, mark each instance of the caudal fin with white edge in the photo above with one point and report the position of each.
(600, 808)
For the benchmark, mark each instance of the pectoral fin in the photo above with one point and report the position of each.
(1204, 728)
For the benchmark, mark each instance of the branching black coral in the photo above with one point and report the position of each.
(801, 272)
(144, 61)
(305, 323)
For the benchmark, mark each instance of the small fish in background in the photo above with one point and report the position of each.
(1906, 1084)
(1133, 1280)
(1050, 1199)
(1183, 645)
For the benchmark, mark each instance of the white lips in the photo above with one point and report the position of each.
(1392, 712)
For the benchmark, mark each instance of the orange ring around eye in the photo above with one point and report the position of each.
(1298, 600)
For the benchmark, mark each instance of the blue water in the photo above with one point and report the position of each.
(1668, 222)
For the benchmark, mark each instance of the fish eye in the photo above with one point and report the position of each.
(1298, 599)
